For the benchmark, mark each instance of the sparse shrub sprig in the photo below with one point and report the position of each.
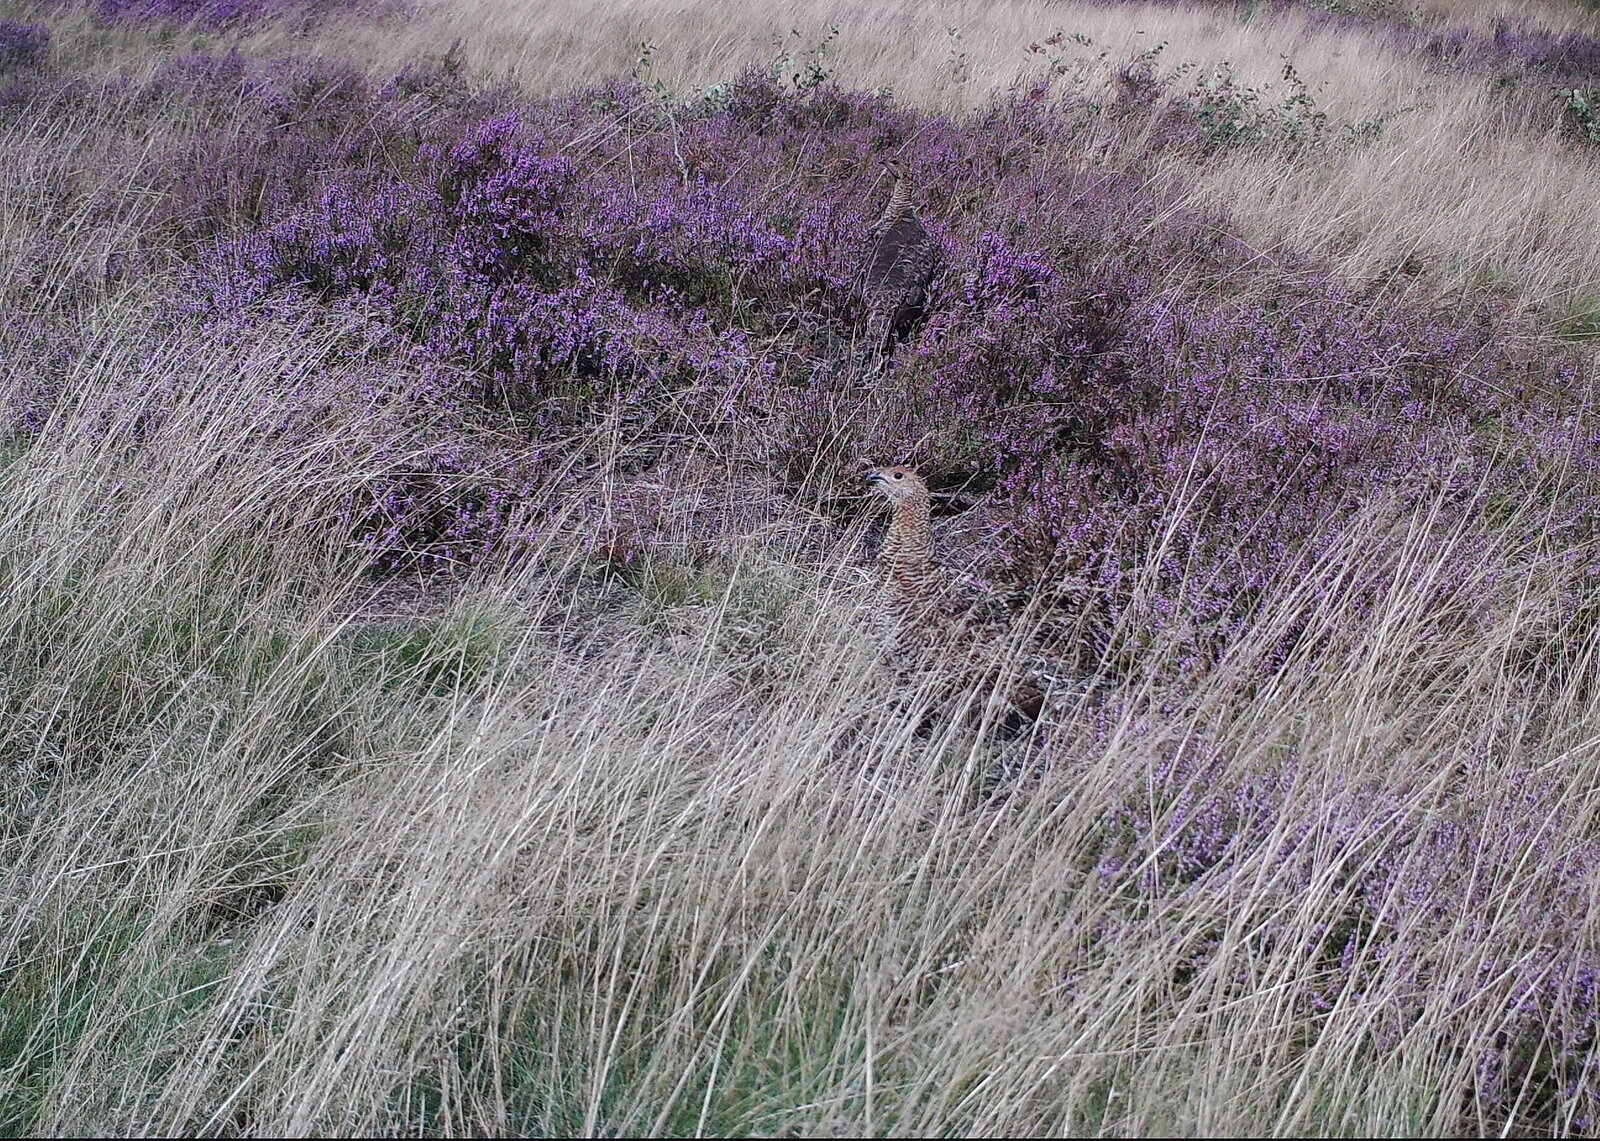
(799, 68)
(1231, 112)
(1582, 113)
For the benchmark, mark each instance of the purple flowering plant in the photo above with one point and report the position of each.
(1091, 354)
(1165, 423)
(22, 45)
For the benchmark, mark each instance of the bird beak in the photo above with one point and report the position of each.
(876, 477)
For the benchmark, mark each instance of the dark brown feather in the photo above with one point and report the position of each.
(900, 264)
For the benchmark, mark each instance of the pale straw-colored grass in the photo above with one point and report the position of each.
(898, 45)
(682, 861)
(566, 852)
(1447, 196)
(1459, 189)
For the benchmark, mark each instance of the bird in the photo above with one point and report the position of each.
(924, 624)
(911, 583)
(900, 263)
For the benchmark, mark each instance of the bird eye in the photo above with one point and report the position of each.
(899, 475)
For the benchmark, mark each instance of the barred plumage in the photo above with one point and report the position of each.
(925, 626)
(912, 587)
(901, 259)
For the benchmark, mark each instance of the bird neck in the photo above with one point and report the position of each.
(908, 549)
(899, 201)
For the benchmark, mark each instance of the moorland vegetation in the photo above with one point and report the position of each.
(434, 555)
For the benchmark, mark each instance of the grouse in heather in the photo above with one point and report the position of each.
(900, 263)
(923, 623)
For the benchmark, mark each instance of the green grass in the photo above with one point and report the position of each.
(1579, 319)
(665, 846)
(439, 657)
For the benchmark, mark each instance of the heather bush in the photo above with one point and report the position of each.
(1060, 363)
(22, 45)
(1093, 353)
(1555, 56)
(563, 839)
(1406, 865)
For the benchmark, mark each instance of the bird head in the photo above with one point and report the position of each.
(893, 165)
(899, 484)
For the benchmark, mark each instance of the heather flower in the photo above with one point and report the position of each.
(569, 257)
(22, 45)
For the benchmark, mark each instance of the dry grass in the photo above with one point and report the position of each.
(677, 858)
(909, 47)
(1447, 196)
(1455, 162)
(671, 852)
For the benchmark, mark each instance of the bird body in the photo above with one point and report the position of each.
(901, 259)
(925, 627)
(911, 579)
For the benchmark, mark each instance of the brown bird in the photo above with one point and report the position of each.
(913, 586)
(901, 259)
(926, 627)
